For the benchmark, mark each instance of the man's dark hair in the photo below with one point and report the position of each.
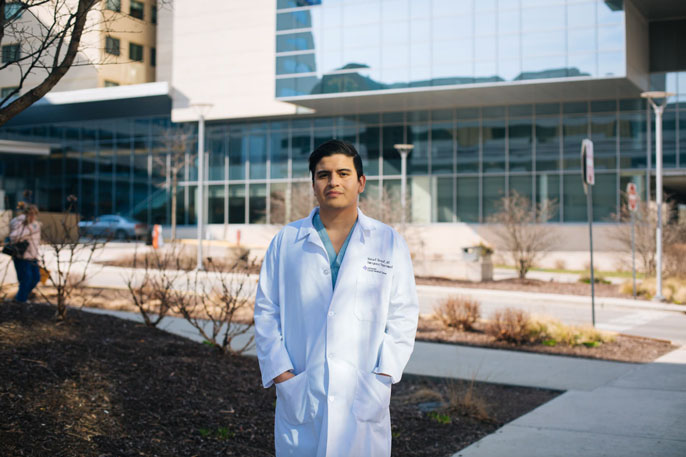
(332, 147)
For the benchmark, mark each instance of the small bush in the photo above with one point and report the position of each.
(459, 312)
(511, 325)
(673, 289)
(560, 264)
(466, 401)
(598, 279)
(552, 332)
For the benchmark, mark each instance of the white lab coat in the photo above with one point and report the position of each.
(335, 340)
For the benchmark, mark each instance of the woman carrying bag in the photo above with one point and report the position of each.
(25, 228)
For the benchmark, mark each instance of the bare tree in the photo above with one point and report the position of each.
(218, 304)
(152, 289)
(644, 235)
(67, 257)
(177, 141)
(47, 34)
(521, 230)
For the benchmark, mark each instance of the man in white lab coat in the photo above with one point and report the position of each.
(335, 318)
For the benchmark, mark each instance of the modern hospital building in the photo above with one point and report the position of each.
(495, 96)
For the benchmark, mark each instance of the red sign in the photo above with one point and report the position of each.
(632, 196)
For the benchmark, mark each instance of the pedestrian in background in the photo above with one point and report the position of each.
(25, 227)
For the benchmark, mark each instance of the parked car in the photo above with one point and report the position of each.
(112, 226)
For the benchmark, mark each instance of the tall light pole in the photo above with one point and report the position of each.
(403, 150)
(658, 109)
(201, 109)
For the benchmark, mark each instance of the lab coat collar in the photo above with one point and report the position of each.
(307, 227)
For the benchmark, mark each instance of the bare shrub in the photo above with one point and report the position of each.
(464, 399)
(459, 312)
(560, 264)
(511, 325)
(552, 332)
(645, 242)
(521, 230)
(152, 290)
(675, 259)
(219, 305)
(68, 258)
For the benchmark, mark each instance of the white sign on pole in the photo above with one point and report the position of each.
(587, 162)
(632, 195)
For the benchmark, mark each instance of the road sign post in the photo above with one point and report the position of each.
(632, 204)
(588, 175)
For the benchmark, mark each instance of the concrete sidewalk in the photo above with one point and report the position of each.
(609, 409)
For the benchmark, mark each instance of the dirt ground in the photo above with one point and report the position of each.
(94, 385)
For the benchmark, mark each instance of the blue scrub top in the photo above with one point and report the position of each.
(334, 260)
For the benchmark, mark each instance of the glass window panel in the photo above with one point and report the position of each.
(361, 36)
(395, 10)
(522, 184)
(543, 43)
(668, 139)
(237, 157)
(216, 159)
(444, 200)
(548, 192)
(361, 13)
(604, 137)
(215, 204)
(584, 64)
(611, 64)
(420, 30)
(258, 204)
(467, 136)
(391, 158)
(468, 199)
(632, 140)
(395, 33)
(520, 144)
(278, 153)
(605, 197)
(581, 40)
(574, 131)
(277, 203)
(508, 21)
(301, 144)
(293, 20)
(493, 193)
(509, 70)
(237, 204)
(543, 17)
(300, 63)
(544, 67)
(442, 148)
(610, 12)
(521, 110)
(258, 156)
(485, 48)
(611, 37)
(574, 198)
(493, 146)
(581, 14)
(191, 215)
(547, 143)
(329, 40)
(682, 139)
(418, 158)
(370, 148)
(300, 41)
(485, 23)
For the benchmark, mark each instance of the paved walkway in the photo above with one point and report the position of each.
(608, 409)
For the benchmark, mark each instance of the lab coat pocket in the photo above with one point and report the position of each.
(372, 397)
(293, 398)
(369, 297)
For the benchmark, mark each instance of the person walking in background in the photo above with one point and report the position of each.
(25, 227)
(335, 318)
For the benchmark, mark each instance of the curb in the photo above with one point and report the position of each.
(572, 299)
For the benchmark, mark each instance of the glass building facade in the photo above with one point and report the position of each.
(333, 46)
(463, 161)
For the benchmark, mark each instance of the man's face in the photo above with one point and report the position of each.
(336, 184)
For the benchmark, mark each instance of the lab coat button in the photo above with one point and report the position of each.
(325, 271)
(331, 313)
(330, 398)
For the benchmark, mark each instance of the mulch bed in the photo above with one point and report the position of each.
(530, 285)
(625, 348)
(95, 385)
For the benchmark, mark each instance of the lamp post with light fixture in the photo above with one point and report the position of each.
(201, 109)
(658, 109)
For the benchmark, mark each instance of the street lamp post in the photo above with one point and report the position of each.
(658, 109)
(403, 150)
(201, 109)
